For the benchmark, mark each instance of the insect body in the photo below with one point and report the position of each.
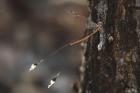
(33, 66)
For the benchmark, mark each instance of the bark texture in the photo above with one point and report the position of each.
(111, 62)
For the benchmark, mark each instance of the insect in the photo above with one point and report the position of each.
(33, 66)
(53, 80)
(98, 27)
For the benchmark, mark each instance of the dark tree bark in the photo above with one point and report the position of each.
(111, 62)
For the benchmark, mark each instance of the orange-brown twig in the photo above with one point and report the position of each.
(84, 38)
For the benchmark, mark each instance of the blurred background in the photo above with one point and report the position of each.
(29, 31)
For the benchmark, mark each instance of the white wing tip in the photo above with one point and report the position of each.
(49, 86)
(51, 83)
